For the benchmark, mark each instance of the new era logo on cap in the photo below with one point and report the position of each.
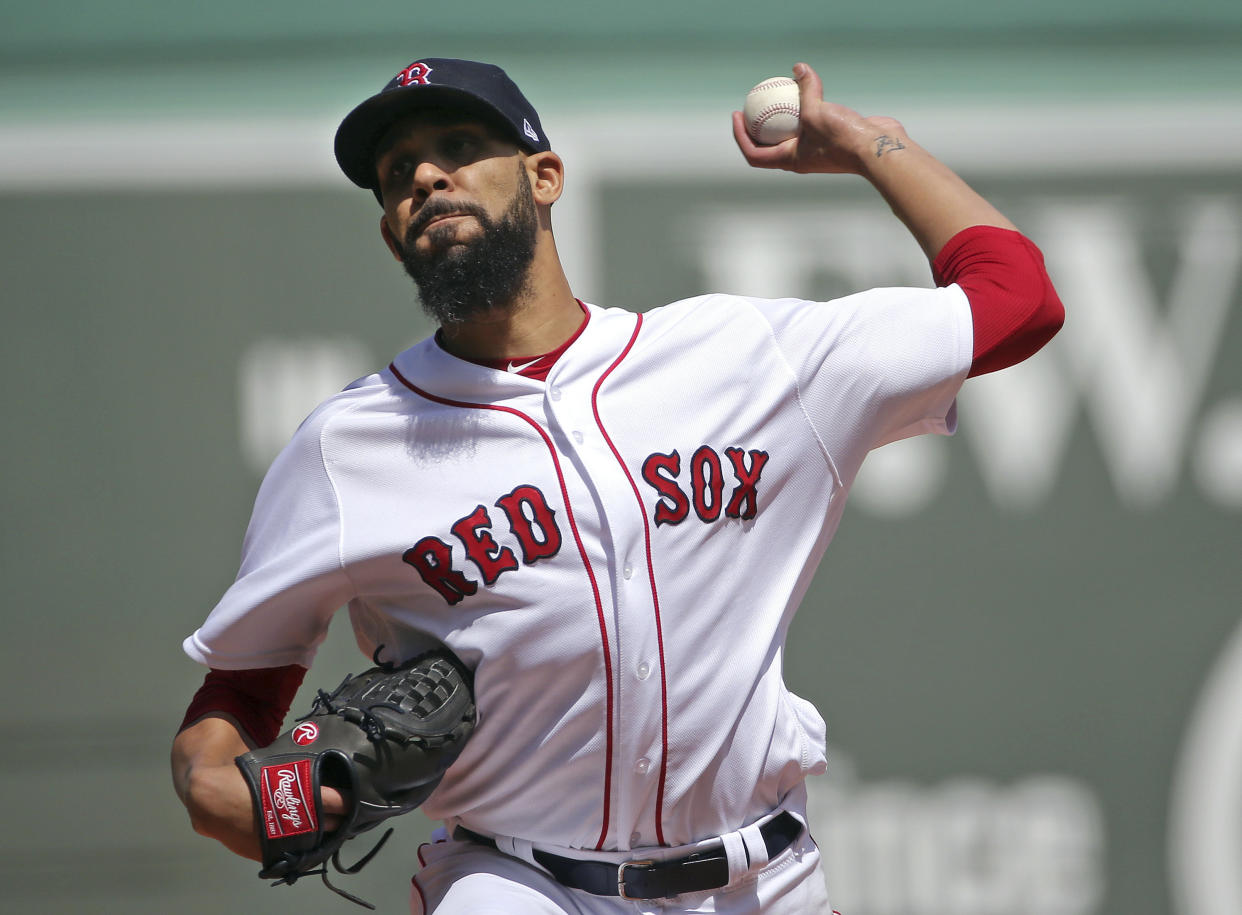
(529, 131)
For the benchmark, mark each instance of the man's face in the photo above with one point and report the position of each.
(460, 213)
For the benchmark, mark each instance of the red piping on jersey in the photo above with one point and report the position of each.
(573, 526)
(655, 598)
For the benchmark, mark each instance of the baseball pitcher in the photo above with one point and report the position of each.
(573, 537)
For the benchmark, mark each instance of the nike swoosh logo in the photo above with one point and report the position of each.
(524, 365)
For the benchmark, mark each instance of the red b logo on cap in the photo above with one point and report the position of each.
(305, 733)
(414, 74)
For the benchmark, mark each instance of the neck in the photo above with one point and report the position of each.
(544, 317)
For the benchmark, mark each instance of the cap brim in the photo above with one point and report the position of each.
(362, 128)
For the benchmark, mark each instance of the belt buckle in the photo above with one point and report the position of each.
(647, 862)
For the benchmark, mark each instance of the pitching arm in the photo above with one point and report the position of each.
(925, 194)
(1014, 308)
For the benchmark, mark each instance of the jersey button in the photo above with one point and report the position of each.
(643, 670)
(628, 571)
(636, 839)
(577, 436)
(555, 393)
(643, 766)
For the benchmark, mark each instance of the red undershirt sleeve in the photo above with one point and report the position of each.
(259, 699)
(1013, 307)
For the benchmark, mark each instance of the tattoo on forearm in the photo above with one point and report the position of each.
(887, 144)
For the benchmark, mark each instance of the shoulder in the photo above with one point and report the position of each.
(715, 302)
(376, 393)
(735, 319)
(329, 411)
(364, 404)
(712, 309)
(877, 309)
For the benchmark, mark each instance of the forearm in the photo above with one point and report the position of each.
(933, 202)
(1014, 308)
(233, 712)
(925, 194)
(211, 786)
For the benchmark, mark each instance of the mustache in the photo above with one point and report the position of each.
(434, 209)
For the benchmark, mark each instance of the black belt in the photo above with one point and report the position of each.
(647, 879)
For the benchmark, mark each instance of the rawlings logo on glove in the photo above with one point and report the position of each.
(284, 796)
(383, 738)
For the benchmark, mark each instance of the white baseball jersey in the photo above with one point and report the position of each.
(617, 552)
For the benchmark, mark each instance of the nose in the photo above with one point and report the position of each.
(430, 177)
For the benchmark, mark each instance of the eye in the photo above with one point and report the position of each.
(459, 147)
(399, 168)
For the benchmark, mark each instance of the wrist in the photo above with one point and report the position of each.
(882, 147)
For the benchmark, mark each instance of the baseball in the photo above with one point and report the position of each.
(771, 111)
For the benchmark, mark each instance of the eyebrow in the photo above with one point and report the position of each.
(450, 120)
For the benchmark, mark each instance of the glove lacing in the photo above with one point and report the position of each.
(341, 869)
(323, 704)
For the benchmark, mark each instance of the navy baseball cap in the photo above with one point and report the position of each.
(435, 82)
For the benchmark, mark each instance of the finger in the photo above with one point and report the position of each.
(810, 87)
(743, 140)
(335, 808)
(740, 137)
(333, 801)
(760, 156)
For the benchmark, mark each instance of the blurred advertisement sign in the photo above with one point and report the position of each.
(968, 846)
(1139, 345)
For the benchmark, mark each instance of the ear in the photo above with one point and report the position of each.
(547, 177)
(390, 239)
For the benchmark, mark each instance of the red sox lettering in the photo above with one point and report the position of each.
(543, 519)
(532, 521)
(662, 471)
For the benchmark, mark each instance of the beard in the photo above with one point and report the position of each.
(488, 273)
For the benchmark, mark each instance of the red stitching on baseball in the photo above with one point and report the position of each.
(774, 109)
(774, 82)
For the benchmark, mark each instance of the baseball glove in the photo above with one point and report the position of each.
(384, 738)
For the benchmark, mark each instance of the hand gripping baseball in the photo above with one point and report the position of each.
(384, 738)
(831, 139)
